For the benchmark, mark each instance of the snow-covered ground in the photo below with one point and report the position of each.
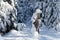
(27, 35)
(46, 35)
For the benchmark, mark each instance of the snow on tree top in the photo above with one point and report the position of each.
(38, 11)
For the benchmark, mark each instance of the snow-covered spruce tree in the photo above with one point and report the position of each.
(50, 14)
(8, 15)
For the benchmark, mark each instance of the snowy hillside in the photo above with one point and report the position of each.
(26, 35)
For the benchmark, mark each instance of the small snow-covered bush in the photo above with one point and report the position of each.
(20, 26)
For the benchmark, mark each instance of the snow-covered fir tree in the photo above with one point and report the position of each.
(8, 15)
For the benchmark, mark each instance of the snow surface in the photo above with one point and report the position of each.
(26, 35)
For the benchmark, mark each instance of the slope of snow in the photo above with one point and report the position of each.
(27, 35)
